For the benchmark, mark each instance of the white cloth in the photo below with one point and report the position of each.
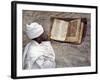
(34, 30)
(38, 55)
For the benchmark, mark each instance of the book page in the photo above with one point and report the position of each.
(73, 30)
(59, 30)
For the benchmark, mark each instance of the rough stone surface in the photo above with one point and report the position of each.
(67, 54)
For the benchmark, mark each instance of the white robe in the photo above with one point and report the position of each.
(38, 55)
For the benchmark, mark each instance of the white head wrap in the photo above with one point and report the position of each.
(34, 30)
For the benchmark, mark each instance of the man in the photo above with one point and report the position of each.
(38, 53)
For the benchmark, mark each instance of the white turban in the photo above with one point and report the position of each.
(34, 30)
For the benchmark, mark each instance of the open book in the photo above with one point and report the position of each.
(67, 30)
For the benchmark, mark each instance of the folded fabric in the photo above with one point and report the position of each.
(45, 62)
(41, 55)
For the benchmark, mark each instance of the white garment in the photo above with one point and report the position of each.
(38, 55)
(34, 30)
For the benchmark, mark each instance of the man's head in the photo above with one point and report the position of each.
(42, 37)
(36, 32)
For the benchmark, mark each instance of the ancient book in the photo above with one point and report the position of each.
(70, 30)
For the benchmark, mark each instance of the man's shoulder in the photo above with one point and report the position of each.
(31, 43)
(33, 46)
